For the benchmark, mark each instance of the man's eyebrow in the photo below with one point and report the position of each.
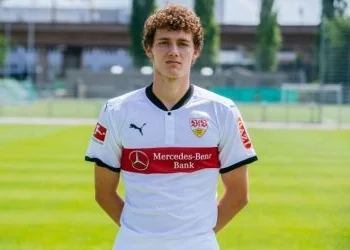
(185, 40)
(167, 39)
(163, 38)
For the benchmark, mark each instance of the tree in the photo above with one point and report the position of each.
(331, 8)
(2, 50)
(141, 9)
(330, 54)
(337, 33)
(269, 38)
(205, 11)
(3, 46)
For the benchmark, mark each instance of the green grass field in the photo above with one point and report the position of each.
(299, 192)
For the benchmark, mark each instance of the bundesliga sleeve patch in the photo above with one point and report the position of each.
(99, 133)
(243, 133)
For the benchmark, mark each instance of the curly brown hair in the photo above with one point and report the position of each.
(173, 17)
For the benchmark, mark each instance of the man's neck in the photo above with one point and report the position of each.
(170, 92)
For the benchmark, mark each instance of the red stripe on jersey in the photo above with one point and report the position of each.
(169, 160)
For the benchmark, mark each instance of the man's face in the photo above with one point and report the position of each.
(172, 53)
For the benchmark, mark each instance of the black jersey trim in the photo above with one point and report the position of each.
(187, 96)
(101, 164)
(238, 164)
(154, 99)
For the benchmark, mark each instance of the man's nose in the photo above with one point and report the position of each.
(173, 50)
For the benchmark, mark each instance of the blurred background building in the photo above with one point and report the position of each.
(81, 48)
(52, 36)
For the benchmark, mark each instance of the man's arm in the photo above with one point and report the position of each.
(235, 196)
(106, 183)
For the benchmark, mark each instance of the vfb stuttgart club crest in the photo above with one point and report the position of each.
(198, 126)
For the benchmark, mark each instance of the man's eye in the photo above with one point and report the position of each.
(183, 44)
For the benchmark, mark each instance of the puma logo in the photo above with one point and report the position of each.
(138, 128)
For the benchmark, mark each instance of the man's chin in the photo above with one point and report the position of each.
(173, 76)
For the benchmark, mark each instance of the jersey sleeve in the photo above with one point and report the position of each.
(104, 148)
(235, 147)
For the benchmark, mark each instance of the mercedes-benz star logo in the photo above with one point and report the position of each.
(139, 160)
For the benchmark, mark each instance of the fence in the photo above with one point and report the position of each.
(252, 112)
(256, 105)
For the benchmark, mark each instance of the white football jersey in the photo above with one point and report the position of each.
(170, 160)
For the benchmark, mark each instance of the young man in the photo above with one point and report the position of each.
(169, 142)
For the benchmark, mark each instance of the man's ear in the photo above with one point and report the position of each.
(149, 53)
(195, 56)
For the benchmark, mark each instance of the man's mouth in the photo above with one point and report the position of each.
(171, 62)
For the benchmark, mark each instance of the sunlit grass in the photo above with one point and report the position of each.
(299, 192)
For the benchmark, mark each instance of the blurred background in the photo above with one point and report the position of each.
(280, 60)
(284, 62)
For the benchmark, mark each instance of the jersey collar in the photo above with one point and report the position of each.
(152, 97)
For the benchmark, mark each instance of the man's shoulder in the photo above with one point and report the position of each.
(124, 99)
(210, 96)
